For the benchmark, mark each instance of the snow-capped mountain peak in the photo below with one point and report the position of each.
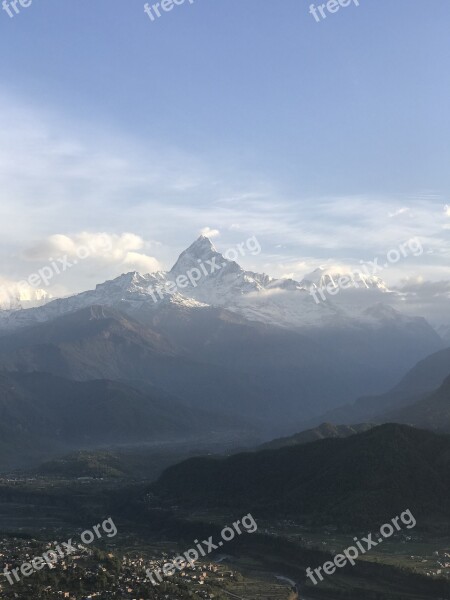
(128, 283)
(200, 254)
(324, 276)
(201, 249)
(213, 278)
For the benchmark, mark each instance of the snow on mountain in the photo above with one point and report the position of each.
(218, 276)
(128, 292)
(283, 302)
(201, 251)
(255, 296)
(324, 276)
(204, 277)
(16, 297)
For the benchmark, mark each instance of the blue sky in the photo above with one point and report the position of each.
(329, 141)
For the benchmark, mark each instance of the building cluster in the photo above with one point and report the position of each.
(91, 574)
(440, 564)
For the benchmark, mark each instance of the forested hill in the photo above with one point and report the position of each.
(366, 478)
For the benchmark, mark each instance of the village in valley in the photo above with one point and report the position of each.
(102, 575)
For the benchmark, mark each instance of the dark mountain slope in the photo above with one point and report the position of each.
(100, 343)
(41, 414)
(421, 380)
(288, 365)
(433, 412)
(210, 358)
(92, 343)
(366, 478)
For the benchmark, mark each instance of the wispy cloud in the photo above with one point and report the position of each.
(61, 180)
(398, 212)
(210, 233)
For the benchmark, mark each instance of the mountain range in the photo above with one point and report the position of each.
(364, 345)
(241, 351)
(257, 297)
